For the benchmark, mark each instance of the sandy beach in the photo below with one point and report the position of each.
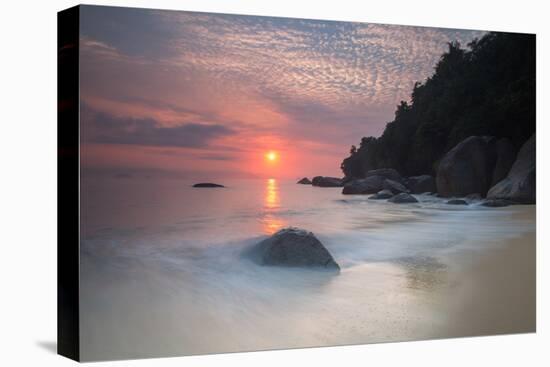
(496, 293)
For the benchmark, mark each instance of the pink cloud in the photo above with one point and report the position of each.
(306, 88)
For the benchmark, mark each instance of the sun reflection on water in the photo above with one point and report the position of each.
(271, 194)
(270, 222)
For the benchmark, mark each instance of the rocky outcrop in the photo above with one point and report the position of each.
(304, 181)
(467, 168)
(373, 184)
(364, 186)
(388, 173)
(394, 186)
(421, 184)
(381, 195)
(322, 181)
(457, 202)
(207, 184)
(293, 247)
(403, 198)
(520, 184)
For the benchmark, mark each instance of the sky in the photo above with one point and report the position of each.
(207, 96)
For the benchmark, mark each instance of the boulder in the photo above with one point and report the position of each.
(394, 186)
(369, 185)
(380, 195)
(207, 184)
(497, 203)
(421, 184)
(520, 183)
(347, 179)
(293, 247)
(457, 202)
(304, 181)
(322, 181)
(505, 155)
(403, 198)
(388, 173)
(467, 168)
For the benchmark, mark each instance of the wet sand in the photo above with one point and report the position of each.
(496, 292)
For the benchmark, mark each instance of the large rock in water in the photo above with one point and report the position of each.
(363, 186)
(323, 181)
(304, 181)
(207, 184)
(421, 184)
(294, 247)
(520, 184)
(467, 168)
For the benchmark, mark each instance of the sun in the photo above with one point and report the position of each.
(271, 156)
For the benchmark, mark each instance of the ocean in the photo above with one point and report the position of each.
(162, 270)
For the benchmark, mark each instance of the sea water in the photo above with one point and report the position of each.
(162, 270)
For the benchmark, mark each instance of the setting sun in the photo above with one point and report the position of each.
(271, 156)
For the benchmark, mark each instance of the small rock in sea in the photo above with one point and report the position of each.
(293, 247)
(394, 186)
(207, 184)
(497, 203)
(304, 181)
(457, 202)
(403, 198)
(322, 181)
(380, 195)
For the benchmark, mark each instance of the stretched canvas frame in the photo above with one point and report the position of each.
(459, 171)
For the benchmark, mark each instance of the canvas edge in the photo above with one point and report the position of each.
(68, 186)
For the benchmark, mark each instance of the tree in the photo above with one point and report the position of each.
(487, 89)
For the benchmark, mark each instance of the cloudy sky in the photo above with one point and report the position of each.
(206, 96)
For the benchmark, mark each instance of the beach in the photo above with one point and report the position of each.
(496, 294)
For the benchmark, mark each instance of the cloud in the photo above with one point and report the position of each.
(215, 61)
(108, 129)
(217, 157)
(245, 84)
(332, 62)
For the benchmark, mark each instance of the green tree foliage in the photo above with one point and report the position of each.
(487, 89)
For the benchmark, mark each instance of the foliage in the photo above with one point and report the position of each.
(487, 89)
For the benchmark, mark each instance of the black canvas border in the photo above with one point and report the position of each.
(68, 185)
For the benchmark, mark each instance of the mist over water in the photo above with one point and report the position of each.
(162, 271)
